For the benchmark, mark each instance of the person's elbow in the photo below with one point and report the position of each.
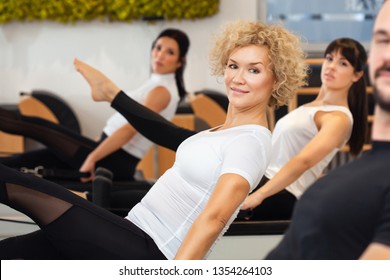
(214, 221)
(302, 163)
(376, 251)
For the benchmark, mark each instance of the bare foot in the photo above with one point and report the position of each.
(81, 194)
(102, 88)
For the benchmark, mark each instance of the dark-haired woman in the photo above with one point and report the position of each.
(306, 139)
(120, 147)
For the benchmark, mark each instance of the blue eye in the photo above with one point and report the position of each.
(254, 70)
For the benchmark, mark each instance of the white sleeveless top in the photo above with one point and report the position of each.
(139, 145)
(172, 205)
(291, 134)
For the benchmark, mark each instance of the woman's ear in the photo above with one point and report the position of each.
(181, 62)
(276, 85)
(357, 76)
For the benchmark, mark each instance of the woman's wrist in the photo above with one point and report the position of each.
(259, 196)
(92, 156)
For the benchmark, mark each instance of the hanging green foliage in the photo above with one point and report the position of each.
(112, 10)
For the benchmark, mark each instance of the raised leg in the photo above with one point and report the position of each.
(102, 88)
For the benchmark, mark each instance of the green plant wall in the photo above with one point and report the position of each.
(66, 11)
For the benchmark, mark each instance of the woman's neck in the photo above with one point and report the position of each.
(331, 97)
(162, 74)
(237, 117)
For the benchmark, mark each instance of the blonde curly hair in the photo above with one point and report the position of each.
(285, 53)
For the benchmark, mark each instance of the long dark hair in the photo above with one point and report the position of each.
(184, 43)
(355, 53)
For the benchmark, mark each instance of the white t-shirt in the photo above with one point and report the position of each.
(139, 145)
(291, 134)
(171, 206)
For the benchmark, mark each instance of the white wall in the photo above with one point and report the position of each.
(39, 55)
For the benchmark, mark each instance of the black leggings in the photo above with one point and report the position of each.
(150, 124)
(66, 149)
(71, 227)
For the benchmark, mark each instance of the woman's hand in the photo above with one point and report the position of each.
(252, 201)
(88, 166)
